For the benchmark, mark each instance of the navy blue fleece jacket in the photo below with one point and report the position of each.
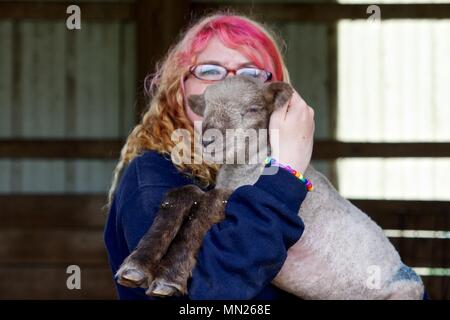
(239, 256)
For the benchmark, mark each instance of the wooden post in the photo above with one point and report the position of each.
(332, 93)
(158, 22)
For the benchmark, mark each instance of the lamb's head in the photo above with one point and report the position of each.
(238, 102)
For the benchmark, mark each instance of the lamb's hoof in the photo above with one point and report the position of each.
(132, 277)
(161, 288)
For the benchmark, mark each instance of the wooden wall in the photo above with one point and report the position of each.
(62, 84)
(68, 99)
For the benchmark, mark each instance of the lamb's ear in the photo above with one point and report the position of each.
(277, 94)
(197, 103)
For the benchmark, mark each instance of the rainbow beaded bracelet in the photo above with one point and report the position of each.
(273, 162)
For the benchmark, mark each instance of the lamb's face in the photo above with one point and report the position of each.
(237, 108)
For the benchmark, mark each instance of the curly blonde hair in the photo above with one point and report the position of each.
(166, 111)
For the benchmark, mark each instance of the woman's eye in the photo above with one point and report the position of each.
(250, 72)
(210, 71)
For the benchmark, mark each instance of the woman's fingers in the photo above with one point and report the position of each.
(295, 125)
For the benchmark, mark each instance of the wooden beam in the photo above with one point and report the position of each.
(49, 282)
(61, 149)
(407, 214)
(79, 246)
(110, 149)
(76, 246)
(31, 211)
(158, 22)
(326, 12)
(336, 149)
(85, 246)
(34, 281)
(423, 253)
(85, 210)
(438, 288)
(320, 12)
(49, 10)
(332, 81)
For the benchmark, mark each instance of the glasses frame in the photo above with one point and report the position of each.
(192, 68)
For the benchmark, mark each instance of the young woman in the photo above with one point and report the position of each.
(242, 254)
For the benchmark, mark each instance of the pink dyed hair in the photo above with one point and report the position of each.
(240, 34)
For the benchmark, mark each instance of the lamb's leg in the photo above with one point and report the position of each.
(139, 267)
(177, 265)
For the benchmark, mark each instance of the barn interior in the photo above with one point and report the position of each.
(377, 77)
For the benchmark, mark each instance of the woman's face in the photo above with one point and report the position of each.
(215, 52)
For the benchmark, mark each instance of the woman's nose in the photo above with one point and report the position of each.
(231, 73)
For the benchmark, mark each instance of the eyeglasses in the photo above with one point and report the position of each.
(213, 72)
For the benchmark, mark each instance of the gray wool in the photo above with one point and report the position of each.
(342, 254)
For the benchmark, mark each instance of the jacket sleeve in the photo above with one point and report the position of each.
(243, 253)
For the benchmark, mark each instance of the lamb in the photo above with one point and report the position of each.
(342, 253)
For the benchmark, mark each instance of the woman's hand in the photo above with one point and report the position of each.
(295, 125)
